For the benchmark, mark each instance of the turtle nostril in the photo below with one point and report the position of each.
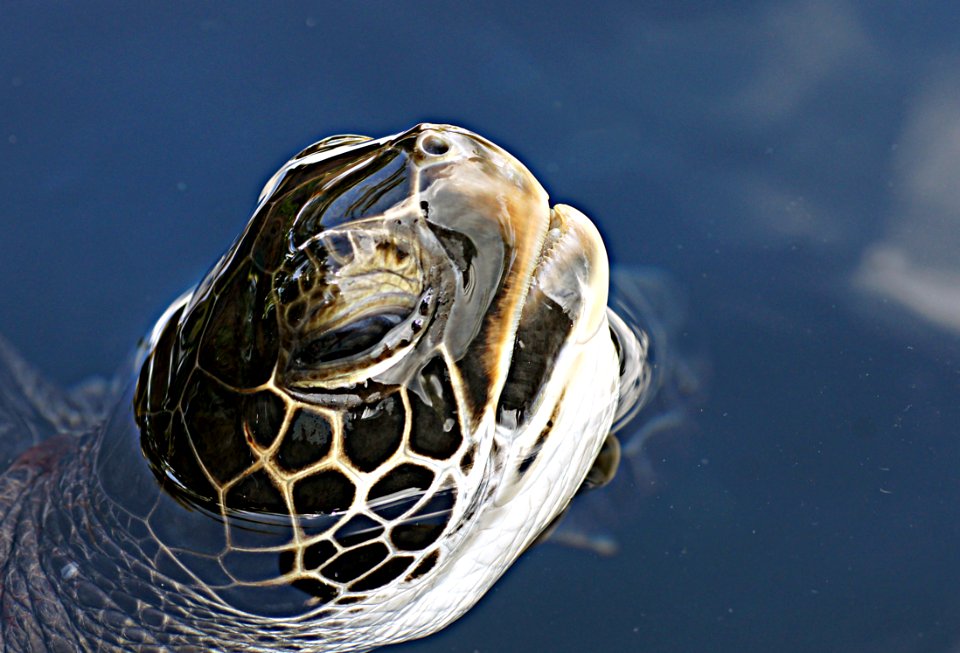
(433, 145)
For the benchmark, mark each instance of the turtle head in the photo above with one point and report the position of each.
(405, 336)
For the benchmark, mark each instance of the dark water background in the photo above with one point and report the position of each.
(794, 165)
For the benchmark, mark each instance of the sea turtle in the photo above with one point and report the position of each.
(387, 389)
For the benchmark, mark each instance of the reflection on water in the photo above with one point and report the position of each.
(932, 293)
(917, 262)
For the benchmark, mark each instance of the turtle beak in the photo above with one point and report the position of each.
(573, 270)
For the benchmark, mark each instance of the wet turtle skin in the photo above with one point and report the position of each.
(388, 387)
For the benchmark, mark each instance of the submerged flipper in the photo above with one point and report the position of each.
(605, 466)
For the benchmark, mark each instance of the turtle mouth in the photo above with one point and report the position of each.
(572, 270)
(565, 306)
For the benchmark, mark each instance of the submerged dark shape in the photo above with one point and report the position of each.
(389, 386)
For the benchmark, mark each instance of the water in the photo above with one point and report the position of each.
(793, 166)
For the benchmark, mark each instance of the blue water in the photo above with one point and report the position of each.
(792, 165)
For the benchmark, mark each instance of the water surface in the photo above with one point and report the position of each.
(792, 165)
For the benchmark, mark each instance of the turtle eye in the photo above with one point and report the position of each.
(346, 341)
